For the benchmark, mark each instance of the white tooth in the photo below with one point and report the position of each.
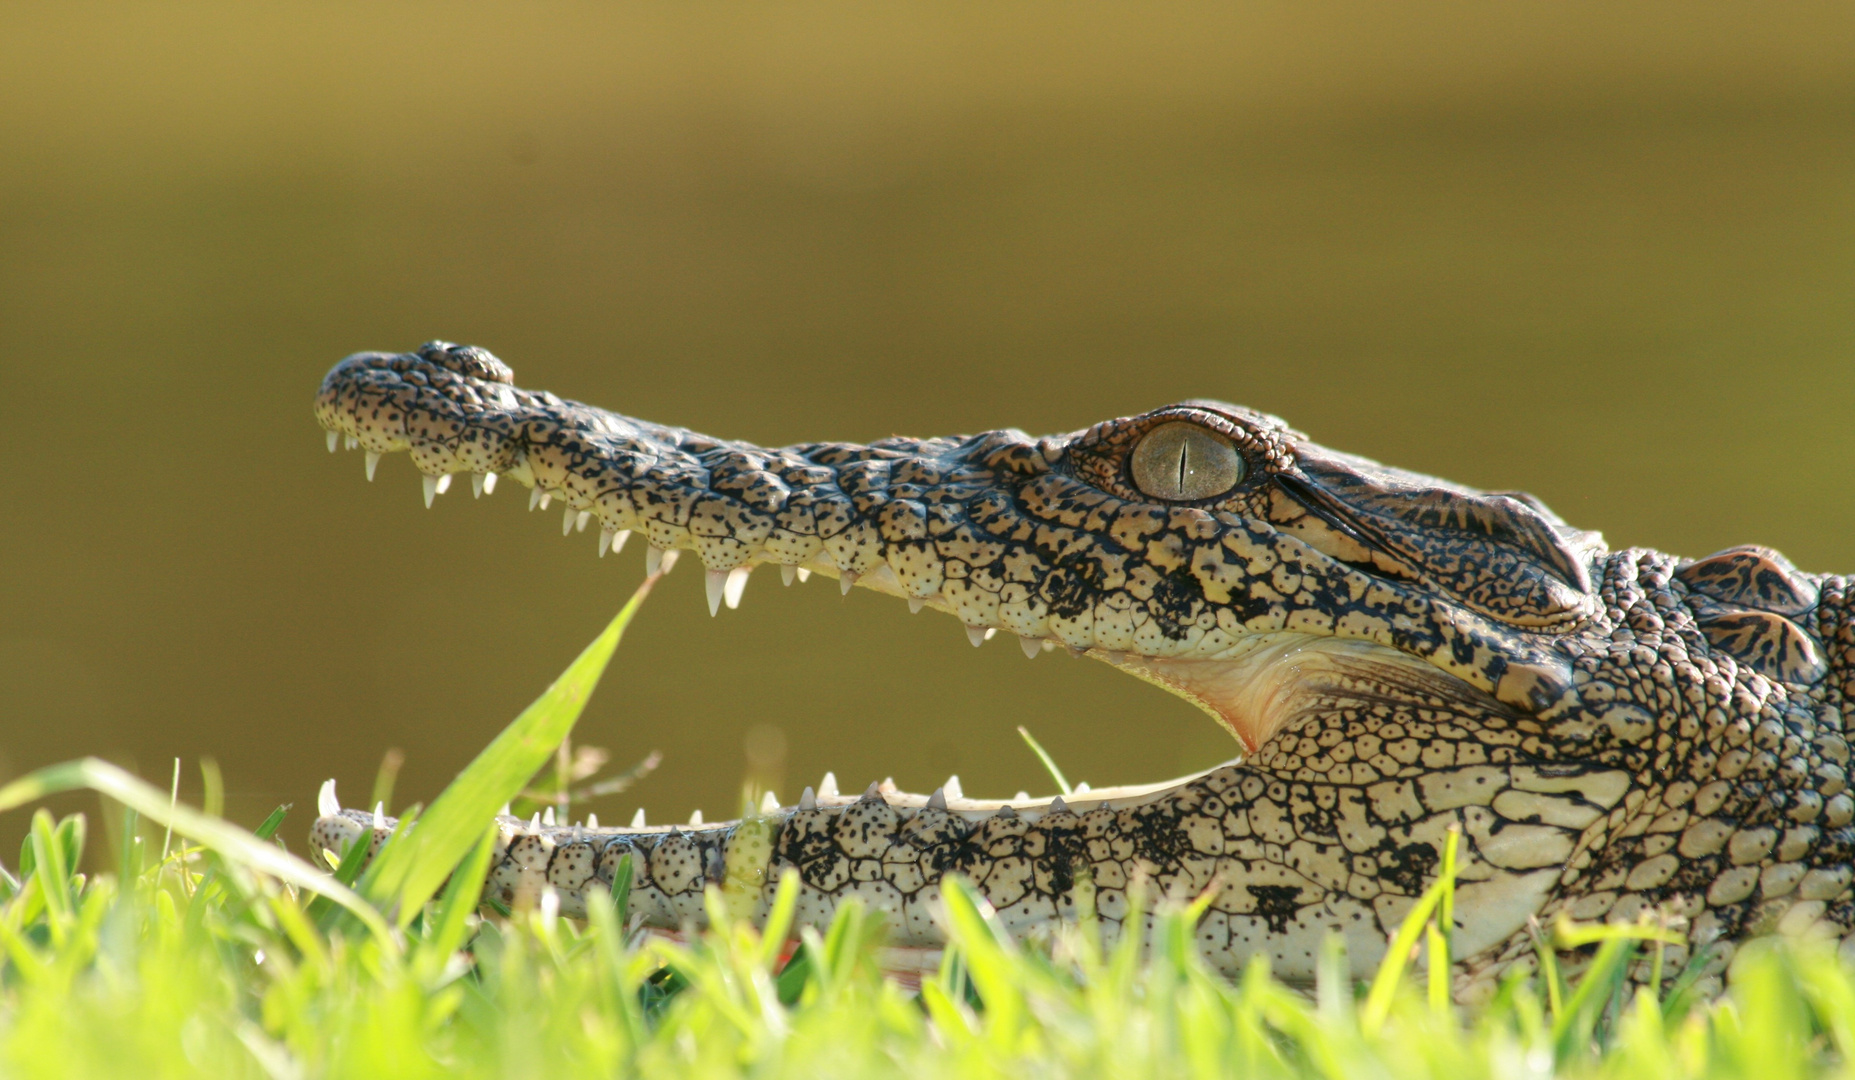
(476, 485)
(430, 484)
(845, 582)
(807, 800)
(991, 630)
(580, 520)
(504, 812)
(695, 818)
(579, 833)
(350, 442)
(373, 462)
(769, 803)
(618, 540)
(653, 559)
(327, 804)
(976, 635)
(915, 604)
(1081, 786)
(804, 575)
(669, 560)
(489, 483)
(592, 821)
(605, 542)
(546, 497)
(827, 788)
(1022, 796)
(1031, 646)
(566, 520)
(953, 789)
(938, 800)
(717, 582)
(547, 816)
(637, 819)
(534, 824)
(534, 498)
(1057, 805)
(379, 815)
(444, 483)
(737, 581)
(333, 438)
(787, 574)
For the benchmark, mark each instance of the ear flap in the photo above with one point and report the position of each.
(1503, 554)
(1766, 642)
(1753, 577)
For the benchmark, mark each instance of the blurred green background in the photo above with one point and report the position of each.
(1605, 253)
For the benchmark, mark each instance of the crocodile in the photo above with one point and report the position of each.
(1612, 735)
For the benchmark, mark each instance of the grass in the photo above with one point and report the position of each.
(217, 953)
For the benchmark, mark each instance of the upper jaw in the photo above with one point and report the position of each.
(1222, 605)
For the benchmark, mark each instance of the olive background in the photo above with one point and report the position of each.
(1604, 253)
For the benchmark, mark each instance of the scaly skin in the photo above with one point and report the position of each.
(1612, 732)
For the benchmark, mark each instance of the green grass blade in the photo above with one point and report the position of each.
(228, 840)
(407, 874)
(460, 899)
(1049, 763)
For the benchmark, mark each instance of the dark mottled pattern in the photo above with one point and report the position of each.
(1613, 734)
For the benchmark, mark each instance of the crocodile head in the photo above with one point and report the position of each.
(1204, 547)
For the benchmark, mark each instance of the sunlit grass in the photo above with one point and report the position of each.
(228, 957)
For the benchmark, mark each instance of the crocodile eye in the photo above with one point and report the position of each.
(1181, 462)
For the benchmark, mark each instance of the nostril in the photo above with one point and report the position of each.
(467, 360)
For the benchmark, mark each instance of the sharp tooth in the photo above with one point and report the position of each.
(953, 789)
(976, 635)
(1031, 646)
(373, 462)
(605, 542)
(845, 582)
(592, 821)
(579, 833)
(547, 816)
(737, 581)
(717, 581)
(618, 540)
(1058, 806)
(546, 497)
(669, 560)
(534, 498)
(350, 442)
(804, 575)
(1081, 786)
(1022, 796)
(476, 485)
(380, 815)
(327, 804)
(566, 520)
(333, 438)
(489, 483)
(807, 800)
(827, 788)
(534, 824)
(915, 604)
(769, 803)
(430, 484)
(637, 819)
(1007, 812)
(653, 559)
(504, 812)
(873, 793)
(580, 520)
(938, 800)
(444, 483)
(787, 574)
(695, 818)
(991, 630)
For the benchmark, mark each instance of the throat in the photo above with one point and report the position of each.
(1264, 683)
